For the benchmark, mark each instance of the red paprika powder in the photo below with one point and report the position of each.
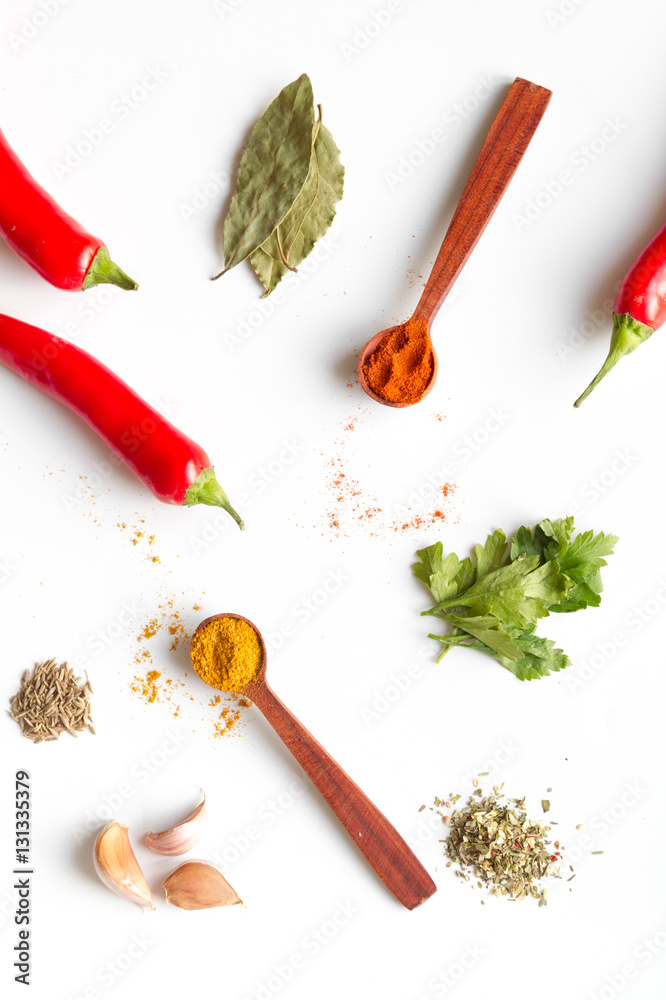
(401, 366)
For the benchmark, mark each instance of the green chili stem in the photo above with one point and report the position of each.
(207, 490)
(103, 270)
(627, 335)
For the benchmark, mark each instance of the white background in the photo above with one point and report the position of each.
(521, 338)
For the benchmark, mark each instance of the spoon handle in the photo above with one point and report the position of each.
(509, 136)
(387, 852)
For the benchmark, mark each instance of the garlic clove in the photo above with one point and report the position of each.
(117, 866)
(182, 837)
(199, 885)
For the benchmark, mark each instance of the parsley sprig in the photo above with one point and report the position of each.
(493, 601)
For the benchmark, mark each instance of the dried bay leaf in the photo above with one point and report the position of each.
(272, 171)
(310, 217)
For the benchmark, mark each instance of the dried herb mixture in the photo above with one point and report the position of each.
(495, 843)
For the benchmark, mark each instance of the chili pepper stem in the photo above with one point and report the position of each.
(627, 335)
(103, 270)
(207, 490)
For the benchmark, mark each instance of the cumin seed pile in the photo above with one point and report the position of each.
(51, 702)
(495, 843)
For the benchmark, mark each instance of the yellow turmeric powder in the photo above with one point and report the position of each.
(227, 654)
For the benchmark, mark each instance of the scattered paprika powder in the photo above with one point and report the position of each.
(350, 506)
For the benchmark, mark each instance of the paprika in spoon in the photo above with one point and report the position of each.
(398, 366)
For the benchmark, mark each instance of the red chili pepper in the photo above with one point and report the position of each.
(49, 239)
(170, 464)
(640, 306)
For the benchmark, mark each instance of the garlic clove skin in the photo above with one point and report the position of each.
(199, 885)
(117, 866)
(180, 838)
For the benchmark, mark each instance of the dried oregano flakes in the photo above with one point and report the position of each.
(290, 179)
(495, 844)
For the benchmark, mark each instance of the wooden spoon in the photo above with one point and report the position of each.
(387, 852)
(504, 147)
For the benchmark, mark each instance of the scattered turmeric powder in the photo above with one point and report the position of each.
(227, 653)
(228, 721)
(147, 686)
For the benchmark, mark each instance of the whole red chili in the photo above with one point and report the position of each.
(171, 465)
(640, 306)
(49, 239)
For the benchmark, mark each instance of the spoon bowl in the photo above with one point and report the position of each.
(372, 346)
(261, 674)
(393, 860)
(504, 147)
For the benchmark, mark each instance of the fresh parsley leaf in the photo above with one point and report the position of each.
(517, 594)
(582, 563)
(523, 544)
(537, 656)
(554, 536)
(488, 630)
(548, 540)
(540, 657)
(491, 555)
(445, 578)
